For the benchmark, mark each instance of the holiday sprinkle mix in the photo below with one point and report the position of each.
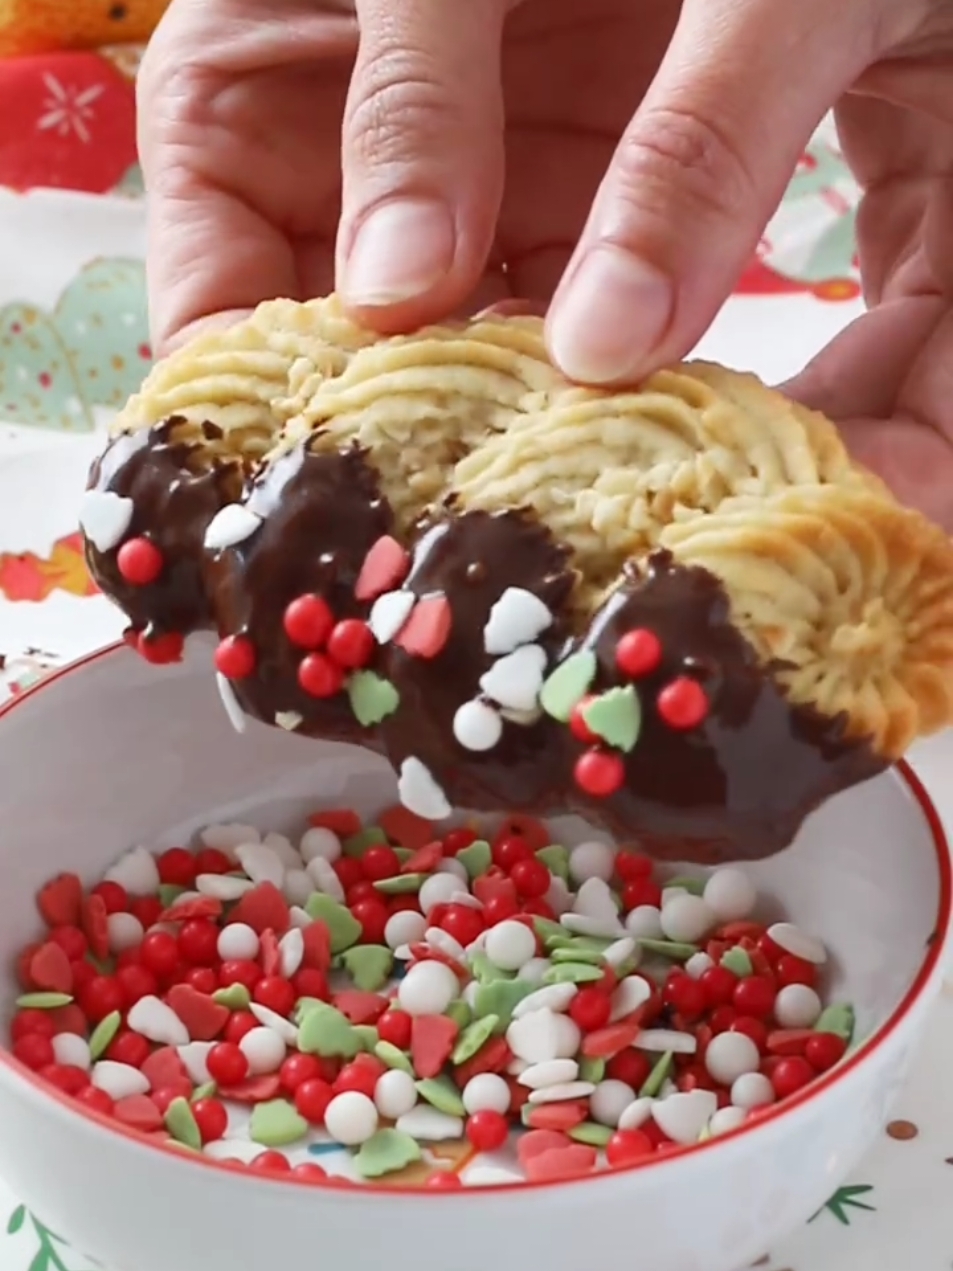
(382, 1003)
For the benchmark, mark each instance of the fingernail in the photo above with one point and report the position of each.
(611, 316)
(401, 250)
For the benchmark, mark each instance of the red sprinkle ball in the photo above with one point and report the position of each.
(128, 974)
(600, 773)
(683, 704)
(336, 647)
(308, 621)
(235, 657)
(139, 562)
(638, 653)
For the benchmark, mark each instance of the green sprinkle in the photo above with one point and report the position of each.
(591, 1068)
(386, 1152)
(169, 893)
(572, 973)
(368, 1036)
(616, 717)
(236, 997)
(473, 1038)
(369, 966)
(103, 1034)
(208, 1091)
(184, 1148)
(325, 1031)
(459, 1011)
(102, 966)
(500, 999)
(476, 859)
(306, 1004)
(372, 698)
(838, 1019)
(568, 685)
(43, 1001)
(591, 1133)
(487, 972)
(357, 844)
(689, 883)
(738, 961)
(181, 1124)
(556, 860)
(441, 1093)
(276, 1124)
(401, 884)
(573, 953)
(393, 1057)
(548, 930)
(657, 1077)
(403, 854)
(343, 928)
(674, 950)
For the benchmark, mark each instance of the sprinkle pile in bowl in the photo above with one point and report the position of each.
(381, 1003)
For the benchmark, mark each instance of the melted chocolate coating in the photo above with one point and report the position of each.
(737, 786)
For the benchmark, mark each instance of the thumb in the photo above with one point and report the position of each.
(697, 176)
(422, 158)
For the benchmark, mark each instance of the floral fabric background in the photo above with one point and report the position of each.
(74, 343)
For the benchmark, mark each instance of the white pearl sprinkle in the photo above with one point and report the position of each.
(395, 1094)
(591, 859)
(609, 1100)
(727, 1119)
(319, 841)
(403, 928)
(428, 988)
(543, 1035)
(730, 894)
(351, 1118)
(644, 923)
(125, 932)
(797, 1006)
(683, 1116)
(486, 1092)
(238, 942)
(687, 918)
(510, 944)
(477, 726)
(437, 890)
(729, 1055)
(264, 1049)
(752, 1090)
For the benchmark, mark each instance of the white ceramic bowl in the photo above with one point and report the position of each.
(113, 752)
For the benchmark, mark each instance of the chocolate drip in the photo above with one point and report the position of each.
(738, 785)
(174, 500)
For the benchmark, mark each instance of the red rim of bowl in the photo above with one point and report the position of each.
(817, 1087)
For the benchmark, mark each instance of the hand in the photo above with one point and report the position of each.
(646, 221)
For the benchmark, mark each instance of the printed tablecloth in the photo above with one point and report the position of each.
(74, 343)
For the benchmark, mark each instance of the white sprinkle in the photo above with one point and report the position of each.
(105, 517)
(729, 1055)
(518, 617)
(687, 918)
(283, 848)
(299, 918)
(551, 997)
(238, 942)
(464, 898)
(644, 922)
(591, 860)
(290, 952)
(420, 793)
(260, 863)
(631, 993)
(351, 1118)
(437, 890)
(389, 613)
(450, 865)
(600, 928)
(230, 526)
(752, 1090)
(226, 836)
(552, 1072)
(222, 886)
(636, 1114)
(797, 942)
(514, 681)
(609, 1100)
(543, 1035)
(477, 726)
(510, 944)
(404, 928)
(297, 887)
(236, 716)
(288, 720)
(797, 1006)
(322, 842)
(525, 719)
(428, 988)
(118, 1080)
(194, 1058)
(559, 897)
(683, 1116)
(277, 1023)
(481, 1175)
(727, 1119)
(594, 899)
(264, 1049)
(72, 1050)
(662, 1039)
(151, 1018)
(516, 1067)
(669, 894)
(559, 1094)
(486, 1092)
(428, 1125)
(730, 894)
(243, 1150)
(437, 938)
(698, 964)
(532, 972)
(136, 871)
(325, 878)
(395, 1094)
(125, 932)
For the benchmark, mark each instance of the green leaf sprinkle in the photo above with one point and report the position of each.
(369, 965)
(838, 1019)
(473, 1038)
(442, 1093)
(556, 860)
(591, 1133)
(657, 1077)
(573, 973)
(236, 997)
(325, 1031)
(565, 688)
(616, 717)
(674, 950)
(500, 999)
(343, 928)
(476, 858)
(393, 1057)
(276, 1124)
(737, 961)
(357, 844)
(43, 1001)
(386, 1152)
(103, 1034)
(181, 1123)
(372, 698)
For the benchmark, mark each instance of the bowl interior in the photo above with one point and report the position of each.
(114, 753)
